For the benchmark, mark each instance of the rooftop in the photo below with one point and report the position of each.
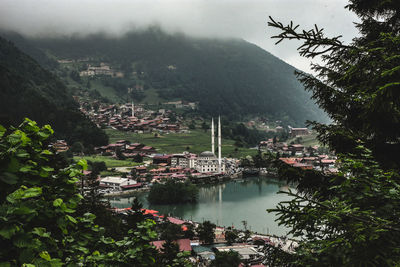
(207, 154)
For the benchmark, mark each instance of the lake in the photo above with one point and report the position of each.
(228, 204)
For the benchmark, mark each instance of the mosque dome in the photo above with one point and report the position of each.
(207, 154)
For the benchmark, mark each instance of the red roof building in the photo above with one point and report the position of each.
(184, 244)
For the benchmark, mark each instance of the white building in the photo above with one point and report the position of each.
(207, 161)
(116, 182)
(180, 160)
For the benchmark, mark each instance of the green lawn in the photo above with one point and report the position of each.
(110, 162)
(105, 91)
(151, 97)
(307, 140)
(197, 141)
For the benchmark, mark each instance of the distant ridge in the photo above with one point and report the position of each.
(28, 90)
(230, 77)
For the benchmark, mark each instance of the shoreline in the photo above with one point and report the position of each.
(209, 180)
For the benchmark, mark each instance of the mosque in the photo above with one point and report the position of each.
(207, 161)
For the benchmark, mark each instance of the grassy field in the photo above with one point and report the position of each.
(110, 162)
(105, 91)
(307, 140)
(197, 141)
(151, 97)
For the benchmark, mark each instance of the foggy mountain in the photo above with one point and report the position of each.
(225, 76)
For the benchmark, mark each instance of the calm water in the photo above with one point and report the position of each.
(228, 204)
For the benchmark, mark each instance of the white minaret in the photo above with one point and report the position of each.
(212, 136)
(133, 109)
(219, 144)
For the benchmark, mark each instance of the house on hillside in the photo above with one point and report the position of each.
(293, 132)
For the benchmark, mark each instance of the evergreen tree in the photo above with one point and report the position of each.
(206, 233)
(226, 259)
(231, 236)
(350, 218)
(169, 250)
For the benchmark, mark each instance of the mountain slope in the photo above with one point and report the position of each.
(230, 77)
(27, 90)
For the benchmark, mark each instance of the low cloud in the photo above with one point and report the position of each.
(245, 19)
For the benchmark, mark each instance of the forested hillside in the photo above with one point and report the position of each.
(28, 90)
(229, 77)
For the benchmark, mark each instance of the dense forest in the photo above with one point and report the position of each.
(230, 77)
(28, 90)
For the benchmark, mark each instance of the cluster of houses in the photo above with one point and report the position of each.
(103, 69)
(127, 149)
(297, 155)
(128, 117)
(284, 149)
(184, 166)
(182, 104)
(251, 248)
(321, 162)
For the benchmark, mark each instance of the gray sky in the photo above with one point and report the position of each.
(245, 19)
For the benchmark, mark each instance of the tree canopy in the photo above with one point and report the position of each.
(39, 202)
(28, 90)
(173, 192)
(350, 218)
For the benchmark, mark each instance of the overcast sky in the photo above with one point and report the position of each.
(245, 19)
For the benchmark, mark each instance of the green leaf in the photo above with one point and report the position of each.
(9, 178)
(57, 202)
(43, 173)
(23, 210)
(32, 192)
(83, 164)
(7, 231)
(26, 255)
(47, 169)
(71, 219)
(2, 130)
(25, 168)
(14, 138)
(46, 152)
(14, 165)
(16, 195)
(45, 255)
(22, 154)
(23, 241)
(40, 231)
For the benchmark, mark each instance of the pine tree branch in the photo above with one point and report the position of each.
(314, 39)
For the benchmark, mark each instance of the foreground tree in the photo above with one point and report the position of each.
(351, 218)
(39, 223)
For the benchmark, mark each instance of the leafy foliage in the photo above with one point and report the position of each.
(38, 210)
(350, 218)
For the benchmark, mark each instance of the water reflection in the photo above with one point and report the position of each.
(228, 204)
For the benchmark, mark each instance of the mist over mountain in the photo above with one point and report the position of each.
(28, 90)
(225, 76)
